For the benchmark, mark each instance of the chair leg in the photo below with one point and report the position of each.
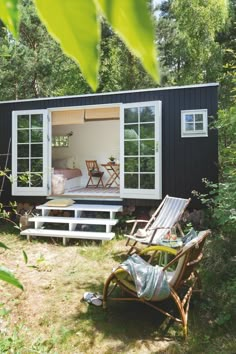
(182, 312)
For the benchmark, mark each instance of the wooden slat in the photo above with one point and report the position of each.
(69, 234)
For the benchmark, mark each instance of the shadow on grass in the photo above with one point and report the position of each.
(126, 323)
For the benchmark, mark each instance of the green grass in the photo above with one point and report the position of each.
(48, 317)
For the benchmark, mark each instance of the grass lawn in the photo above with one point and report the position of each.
(48, 316)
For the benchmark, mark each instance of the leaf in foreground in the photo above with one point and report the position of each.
(2, 245)
(9, 14)
(9, 277)
(133, 23)
(75, 26)
(25, 256)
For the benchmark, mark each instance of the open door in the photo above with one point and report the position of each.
(140, 158)
(30, 157)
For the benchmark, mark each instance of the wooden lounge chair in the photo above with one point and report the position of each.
(166, 216)
(182, 280)
(95, 175)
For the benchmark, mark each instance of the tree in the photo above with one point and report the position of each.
(120, 69)
(34, 65)
(187, 40)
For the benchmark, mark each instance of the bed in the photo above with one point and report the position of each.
(65, 180)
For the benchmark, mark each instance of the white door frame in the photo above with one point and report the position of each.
(34, 191)
(155, 193)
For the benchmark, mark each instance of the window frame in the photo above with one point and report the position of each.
(194, 133)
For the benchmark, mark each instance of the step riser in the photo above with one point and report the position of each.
(65, 220)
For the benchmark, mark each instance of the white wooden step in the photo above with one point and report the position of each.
(84, 207)
(103, 236)
(71, 220)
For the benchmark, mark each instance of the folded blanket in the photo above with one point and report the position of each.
(150, 281)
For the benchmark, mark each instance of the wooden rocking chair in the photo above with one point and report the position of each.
(95, 175)
(182, 280)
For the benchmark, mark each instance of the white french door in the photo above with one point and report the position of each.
(140, 158)
(30, 142)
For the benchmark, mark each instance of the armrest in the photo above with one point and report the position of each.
(137, 221)
(135, 224)
(156, 248)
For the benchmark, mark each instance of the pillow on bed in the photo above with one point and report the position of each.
(60, 202)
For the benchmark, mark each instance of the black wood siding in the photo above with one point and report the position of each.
(185, 161)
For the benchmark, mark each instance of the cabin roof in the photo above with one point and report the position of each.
(114, 92)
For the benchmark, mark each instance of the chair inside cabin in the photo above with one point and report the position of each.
(95, 175)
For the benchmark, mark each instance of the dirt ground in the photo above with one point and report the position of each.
(48, 316)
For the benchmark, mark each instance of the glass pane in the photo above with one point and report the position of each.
(23, 165)
(199, 117)
(131, 131)
(36, 135)
(131, 115)
(147, 114)
(147, 181)
(37, 150)
(23, 136)
(23, 150)
(189, 127)
(23, 121)
(131, 148)
(198, 126)
(147, 147)
(147, 131)
(189, 118)
(36, 165)
(22, 180)
(131, 164)
(36, 180)
(131, 181)
(36, 120)
(147, 164)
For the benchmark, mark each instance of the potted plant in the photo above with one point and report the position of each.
(112, 159)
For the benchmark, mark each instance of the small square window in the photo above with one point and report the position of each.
(194, 123)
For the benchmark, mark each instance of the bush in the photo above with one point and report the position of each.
(219, 270)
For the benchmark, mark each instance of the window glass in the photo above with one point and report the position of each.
(131, 115)
(131, 131)
(131, 164)
(194, 122)
(189, 126)
(189, 118)
(147, 114)
(198, 117)
(199, 126)
(23, 121)
(147, 181)
(131, 181)
(147, 131)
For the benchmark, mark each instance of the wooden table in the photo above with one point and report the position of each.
(113, 170)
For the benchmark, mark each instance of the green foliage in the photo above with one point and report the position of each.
(219, 271)
(75, 26)
(187, 33)
(10, 15)
(132, 22)
(9, 277)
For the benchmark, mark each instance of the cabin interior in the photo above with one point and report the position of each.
(83, 134)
